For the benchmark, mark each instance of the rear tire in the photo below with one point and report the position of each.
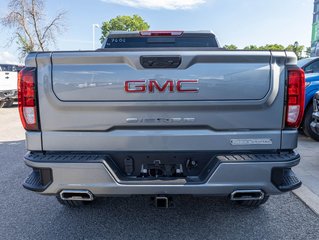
(9, 103)
(2, 103)
(6, 104)
(253, 203)
(306, 125)
(71, 203)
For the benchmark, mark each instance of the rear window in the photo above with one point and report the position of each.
(193, 41)
(8, 68)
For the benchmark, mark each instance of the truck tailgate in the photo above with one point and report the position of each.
(220, 78)
(83, 102)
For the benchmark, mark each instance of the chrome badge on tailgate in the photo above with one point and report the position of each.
(160, 120)
(251, 141)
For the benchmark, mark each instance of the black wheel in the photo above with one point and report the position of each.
(2, 103)
(253, 203)
(5, 104)
(9, 103)
(306, 124)
(71, 203)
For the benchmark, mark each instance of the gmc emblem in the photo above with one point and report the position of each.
(140, 86)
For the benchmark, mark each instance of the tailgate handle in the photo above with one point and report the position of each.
(160, 61)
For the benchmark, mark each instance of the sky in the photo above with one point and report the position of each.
(239, 22)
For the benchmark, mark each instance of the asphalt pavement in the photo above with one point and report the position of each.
(308, 170)
(26, 215)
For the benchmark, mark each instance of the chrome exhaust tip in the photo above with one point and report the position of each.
(247, 195)
(76, 195)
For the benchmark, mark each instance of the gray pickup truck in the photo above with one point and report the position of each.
(161, 113)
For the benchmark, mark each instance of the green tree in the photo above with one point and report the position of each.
(251, 48)
(231, 47)
(124, 23)
(308, 52)
(273, 47)
(296, 48)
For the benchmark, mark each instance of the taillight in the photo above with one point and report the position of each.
(161, 33)
(27, 100)
(295, 97)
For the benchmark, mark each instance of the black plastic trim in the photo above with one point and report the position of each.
(153, 62)
(38, 180)
(285, 179)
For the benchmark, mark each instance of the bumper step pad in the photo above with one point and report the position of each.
(38, 180)
(290, 181)
(285, 179)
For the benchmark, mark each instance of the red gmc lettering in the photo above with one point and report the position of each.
(180, 83)
(134, 86)
(138, 86)
(154, 84)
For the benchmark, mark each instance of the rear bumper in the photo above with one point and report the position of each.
(8, 94)
(93, 173)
